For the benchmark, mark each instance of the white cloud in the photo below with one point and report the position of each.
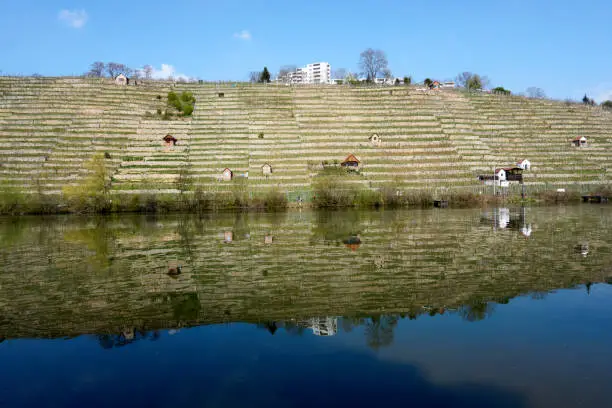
(73, 18)
(243, 35)
(603, 93)
(166, 71)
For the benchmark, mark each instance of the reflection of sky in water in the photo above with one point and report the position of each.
(531, 352)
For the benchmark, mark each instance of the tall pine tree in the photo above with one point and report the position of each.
(265, 75)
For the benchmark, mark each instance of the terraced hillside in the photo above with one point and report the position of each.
(428, 139)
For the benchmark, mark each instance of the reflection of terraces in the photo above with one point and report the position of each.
(67, 278)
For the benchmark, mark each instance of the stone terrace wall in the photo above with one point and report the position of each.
(429, 139)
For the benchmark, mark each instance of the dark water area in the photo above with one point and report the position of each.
(507, 307)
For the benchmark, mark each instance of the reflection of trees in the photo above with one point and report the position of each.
(337, 226)
(379, 331)
(271, 326)
(12, 232)
(476, 311)
(185, 306)
(109, 341)
(186, 232)
(99, 239)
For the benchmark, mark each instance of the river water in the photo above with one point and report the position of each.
(508, 307)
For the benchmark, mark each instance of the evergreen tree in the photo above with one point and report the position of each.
(265, 76)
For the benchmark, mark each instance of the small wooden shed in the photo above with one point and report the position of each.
(579, 141)
(121, 79)
(227, 175)
(266, 169)
(375, 139)
(351, 161)
(170, 140)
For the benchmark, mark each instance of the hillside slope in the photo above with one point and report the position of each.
(432, 139)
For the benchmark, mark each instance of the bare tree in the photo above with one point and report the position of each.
(462, 78)
(387, 74)
(254, 76)
(339, 73)
(471, 81)
(535, 92)
(114, 68)
(147, 70)
(96, 70)
(373, 63)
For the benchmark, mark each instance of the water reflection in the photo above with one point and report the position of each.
(73, 275)
(127, 336)
(505, 218)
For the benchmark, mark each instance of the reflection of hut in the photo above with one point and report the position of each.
(582, 249)
(121, 79)
(351, 161)
(170, 140)
(228, 236)
(128, 334)
(580, 141)
(352, 242)
(268, 239)
(266, 169)
(227, 175)
(375, 139)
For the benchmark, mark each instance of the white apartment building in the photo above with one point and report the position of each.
(315, 73)
(318, 73)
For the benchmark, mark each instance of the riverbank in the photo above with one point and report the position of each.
(328, 196)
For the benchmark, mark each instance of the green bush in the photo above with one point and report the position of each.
(184, 104)
(187, 110)
(500, 90)
(12, 199)
(92, 194)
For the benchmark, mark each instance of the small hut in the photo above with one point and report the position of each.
(351, 161)
(228, 236)
(268, 239)
(227, 175)
(266, 169)
(375, 139)
(524, 164)
(579, 141)
(121, 79)
(170, 140)
(352, 242)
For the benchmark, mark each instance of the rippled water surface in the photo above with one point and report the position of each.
(507, 307)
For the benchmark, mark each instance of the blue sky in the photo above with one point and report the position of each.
(564, 47)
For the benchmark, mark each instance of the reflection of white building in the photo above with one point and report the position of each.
(324, 326)
(503, 217)
(526, 230)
